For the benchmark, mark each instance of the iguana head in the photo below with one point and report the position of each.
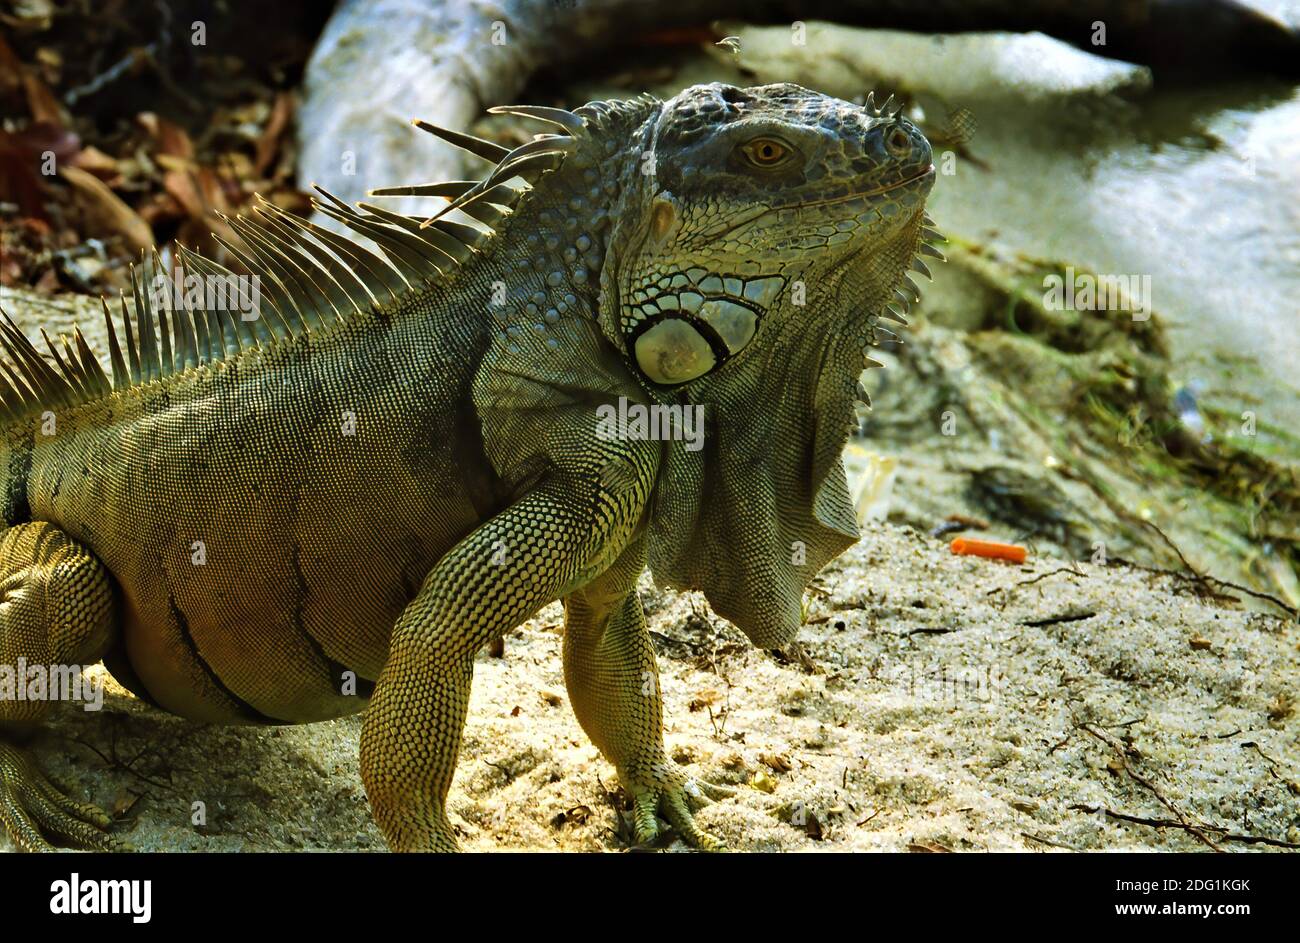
(758, 237)
(756, 206)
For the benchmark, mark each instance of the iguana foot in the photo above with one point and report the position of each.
(31, 807)
(677, 797)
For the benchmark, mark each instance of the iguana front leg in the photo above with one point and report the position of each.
(569, 528)
(56, 609)
(613, 683)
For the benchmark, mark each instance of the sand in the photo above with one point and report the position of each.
(926, 714)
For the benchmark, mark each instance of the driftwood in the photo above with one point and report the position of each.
(380, 63)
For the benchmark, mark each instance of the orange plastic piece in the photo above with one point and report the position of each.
(989, 548)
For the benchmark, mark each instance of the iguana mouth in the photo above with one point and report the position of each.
(928, 172)
(732, 226)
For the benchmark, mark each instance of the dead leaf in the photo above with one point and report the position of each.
(24, 156)
(182, 186)
(41, 101)
(123, 804)
(928, 847)
(684, 754)
(95, 161)
(578, 815)
(105, 213)
(268, 145)
(174, 163)
(734, 761)
(169, 138)
(706, 698)
(1282, 706)
(11, 69)
(777, 762)
(15, 76)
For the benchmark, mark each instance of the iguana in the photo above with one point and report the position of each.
(333, 506)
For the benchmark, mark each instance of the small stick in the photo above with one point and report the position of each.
(990, 549)
(1074, 571)
(1123, 758)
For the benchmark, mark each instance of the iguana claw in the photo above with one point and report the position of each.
(31, 807)
(677, 800)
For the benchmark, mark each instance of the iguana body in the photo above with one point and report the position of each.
(335, 506)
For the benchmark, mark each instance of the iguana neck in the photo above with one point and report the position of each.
(545, 263)
(538, 286)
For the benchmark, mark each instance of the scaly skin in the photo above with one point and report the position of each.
(385, 478)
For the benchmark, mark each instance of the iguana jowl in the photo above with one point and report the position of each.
(730, 248)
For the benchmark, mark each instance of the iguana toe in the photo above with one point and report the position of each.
(677, 801)
(677, 806)
(714, 791)
(645, 821)
(32, 809)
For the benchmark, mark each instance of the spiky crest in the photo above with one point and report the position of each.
(309, 277)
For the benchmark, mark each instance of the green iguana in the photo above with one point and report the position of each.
(333, 506)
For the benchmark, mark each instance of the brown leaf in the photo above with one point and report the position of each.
(268, 145)
(705, 698)
(123, 804)
(95, 161)
(157, 209)
(48, 283)
(15, 77)
(23, 156)
(41, 136)
(777, 762)
(105, 213)
(183, 188)
(214, 191)
(11, 69)
(40, 100)
(578, 815)
(168, 138)
(734, 760)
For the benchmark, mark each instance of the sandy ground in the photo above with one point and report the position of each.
(929, 713)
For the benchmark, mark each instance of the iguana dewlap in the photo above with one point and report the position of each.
(331, 506)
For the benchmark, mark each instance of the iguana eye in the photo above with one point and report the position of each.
(898, 142)
(765, 152)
